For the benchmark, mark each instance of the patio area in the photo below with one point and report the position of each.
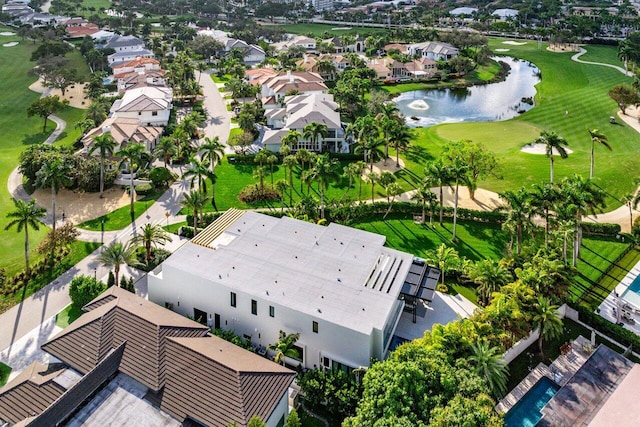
(560, 372)
(622, 305)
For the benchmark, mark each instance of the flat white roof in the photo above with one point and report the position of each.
(338, 274)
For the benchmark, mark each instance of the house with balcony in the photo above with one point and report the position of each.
(151, 105)
(124, 130)
(341, 288)
(433, 50)
(285, 83)
(127, 48)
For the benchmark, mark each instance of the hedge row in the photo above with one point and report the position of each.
(248, 159)
(617, 332)
(601, 229)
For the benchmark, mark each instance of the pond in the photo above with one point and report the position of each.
(486, 103)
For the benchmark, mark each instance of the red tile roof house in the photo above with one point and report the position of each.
(178, 372)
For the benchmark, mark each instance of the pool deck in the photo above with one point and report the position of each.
(614, 302)
(560, 372)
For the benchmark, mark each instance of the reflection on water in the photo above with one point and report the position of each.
(492, 102)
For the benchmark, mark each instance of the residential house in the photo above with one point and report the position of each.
(433, 50)
(307, 42)
(151, 105)
(340, 288)
(310, 63)
(504, 14)
(463, 11)
(79, 28)
(124, 130)
(402, 48)
(253, 54)
(151, 364)
(284, 83)
(139, 73)
(127, 48)
(298, 112)
(388, 68)
(356, 47)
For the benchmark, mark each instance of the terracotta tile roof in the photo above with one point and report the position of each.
(138, 62)
(123, 130)
(218, 383)
(30, 393)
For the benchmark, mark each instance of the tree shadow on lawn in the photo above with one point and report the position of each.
(35, 138)
(409, 177)
(418, 154)
(463, 248)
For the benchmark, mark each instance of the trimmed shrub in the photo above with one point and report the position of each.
(160, 176)
(205, 219)
(84, 289)
(617, 332)
(111, 280)
(186, 231)
(144, 189)
(600, 229)
(252, 193)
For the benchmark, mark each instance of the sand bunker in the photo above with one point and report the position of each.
(7, 33)
(511, 42)
(541, 149)
(502, 50)
(10, 44)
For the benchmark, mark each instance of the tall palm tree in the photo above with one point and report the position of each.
(24, 216)
(371, 149)
(372, 178)
(313, 131)
(490, 276)
(551, 142)
(271, 160)
(117, 254)
(352, 172)
(600, 138)
(324, 171)
(400, 137)
(423, 195)
(196, 201)
(488, 364)
(518, 214)
(105, 145)
(302, 156)
(165, 149)
(291, 139)
(288, 162)
(445, 258)
(393, 189)
(543, 197)
(285, 347)
(132, 155)
(198, 170)
(438, 174)
(53, 174)
(546, 320)
(151, 235)
(459, 175)
(212, 151)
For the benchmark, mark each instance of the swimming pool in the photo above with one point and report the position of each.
(526, 413)
(632, 294)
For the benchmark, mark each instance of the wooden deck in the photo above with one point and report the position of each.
(560, 372)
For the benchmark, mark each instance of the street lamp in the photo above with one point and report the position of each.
(95, 273)
(102, 231)
(167, 214)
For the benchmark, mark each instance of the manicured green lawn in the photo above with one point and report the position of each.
(318, 30)
(565, 87)
(222, 79)
(18, 132)
(71, 134)
(604, 54)
(68, 315)
(120, 218)
(476, 241)
(5, 371)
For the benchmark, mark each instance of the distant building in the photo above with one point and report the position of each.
(339, 287)
(504, 14)
(433, 50)
(463, 11)
(150, 363)
(306, 42)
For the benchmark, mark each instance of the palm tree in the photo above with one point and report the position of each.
(546, 320)
(24, 216)
(438, 174)
(490, 276)
(117, 254)
(624, 52)
(106, 145)
(291, 139)
(400, 137)
(600, 138)
(213, 151)
(303, 156)
(423, 195)
(324, 171)
(132, 155)
(372, 178)
(518, 213)
(198, 171)
(151, 235)
(352, 171)
(196, 201)
(488, 364)
(285, 347)
(393, 189)
(543, 197)
(53, 174)
(551, 142)
(445, 258)
(313, 131)
(288, 162)
(459, 175)
(281, 186)
(371, 149)
(271, 160)
(165, 149)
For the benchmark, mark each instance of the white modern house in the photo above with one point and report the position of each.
(284, 83)
(433, 50)
(298, 112)
(151, 105)
(337, 286)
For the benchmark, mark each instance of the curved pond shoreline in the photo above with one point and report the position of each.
(488, 102)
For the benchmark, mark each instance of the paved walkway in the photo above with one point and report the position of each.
(582, 51)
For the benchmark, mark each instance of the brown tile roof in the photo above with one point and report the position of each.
(138, 62)
(217, 382)
(124, 129)
(142, 324)
(30, 393)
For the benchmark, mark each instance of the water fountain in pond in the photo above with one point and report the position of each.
(418, 104)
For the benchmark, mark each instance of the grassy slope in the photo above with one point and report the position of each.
(565, 86)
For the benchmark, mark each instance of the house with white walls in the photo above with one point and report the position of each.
(151, 105)
(433, 50)
(340, 288)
